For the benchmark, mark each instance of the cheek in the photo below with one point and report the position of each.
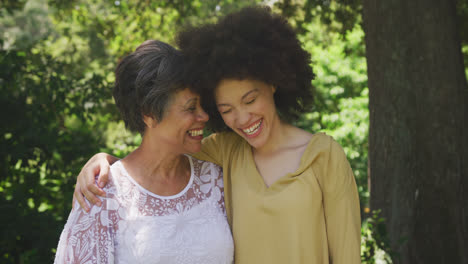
(189, 123)
(184, 123)
(268, 106)
(228, 120)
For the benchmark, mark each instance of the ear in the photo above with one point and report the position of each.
(150, 121)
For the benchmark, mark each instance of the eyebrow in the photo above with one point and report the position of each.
(243, 97)
(251, 91)
(190, 101)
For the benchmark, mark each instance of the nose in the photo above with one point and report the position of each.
(243, 118)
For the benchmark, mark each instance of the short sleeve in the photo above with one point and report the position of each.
(341, 205)
(87, 237)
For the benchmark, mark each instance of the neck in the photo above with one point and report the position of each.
(276, 139)
(154, 158)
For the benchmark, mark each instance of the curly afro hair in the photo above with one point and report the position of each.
(255, 44)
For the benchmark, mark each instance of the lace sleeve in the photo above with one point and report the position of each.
(88, 238)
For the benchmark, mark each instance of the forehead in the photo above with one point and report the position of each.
(232, 88)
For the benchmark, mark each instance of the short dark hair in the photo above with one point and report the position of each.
(253, 43)
(145, 80)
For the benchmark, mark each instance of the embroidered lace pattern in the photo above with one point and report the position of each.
(134, 225)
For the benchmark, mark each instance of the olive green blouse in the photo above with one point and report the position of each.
(309, 216)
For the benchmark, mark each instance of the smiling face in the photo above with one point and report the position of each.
(248, 108)
(182, 124)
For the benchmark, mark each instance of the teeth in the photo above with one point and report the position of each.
(195, 133)
(251, 130)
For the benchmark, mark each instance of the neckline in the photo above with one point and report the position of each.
(144, 190)
(298, 171)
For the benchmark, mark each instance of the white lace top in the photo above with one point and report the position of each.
(134, 225)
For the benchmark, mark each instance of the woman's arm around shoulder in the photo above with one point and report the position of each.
(217, 146)
(86, 187)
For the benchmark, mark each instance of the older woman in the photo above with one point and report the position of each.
(291, 196)
(162, 206)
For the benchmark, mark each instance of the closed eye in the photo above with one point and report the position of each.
(192, 109)
(251, 101)
(225, 112)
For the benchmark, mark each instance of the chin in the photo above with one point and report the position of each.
(194, 149)
(256, 144)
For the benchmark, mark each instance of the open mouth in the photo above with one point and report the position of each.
(196, 133)
(254, 129)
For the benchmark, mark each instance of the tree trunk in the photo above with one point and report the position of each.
(418, 138)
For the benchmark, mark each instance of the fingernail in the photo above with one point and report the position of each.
(101, 184)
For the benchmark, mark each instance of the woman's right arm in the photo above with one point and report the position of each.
(216, 147)
(86, 186)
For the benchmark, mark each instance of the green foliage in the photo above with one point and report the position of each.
(11, 5)
(374, 241)
(338, 16)
(22, 29)
(40, 151)
(46, 136)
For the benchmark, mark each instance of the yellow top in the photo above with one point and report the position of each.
(309, 216)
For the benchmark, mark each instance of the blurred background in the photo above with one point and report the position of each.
(56, 74)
